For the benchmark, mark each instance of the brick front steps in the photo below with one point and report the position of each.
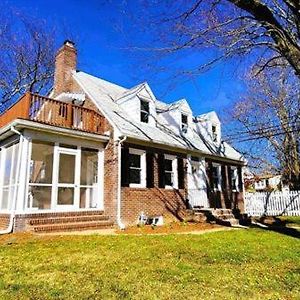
(221, 216)
(68, 221)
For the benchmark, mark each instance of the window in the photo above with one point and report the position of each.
(137, 168)
(171, 180)
(144, 111)
(169, 175)
(184, 122)
(216, 177)
(234, 179)
(214, 133)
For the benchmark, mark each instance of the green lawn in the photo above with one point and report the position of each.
(237, 264)
(291, 221)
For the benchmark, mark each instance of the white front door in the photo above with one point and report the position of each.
(197, 190)
(67, 173)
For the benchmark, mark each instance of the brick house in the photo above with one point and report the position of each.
(94, 154)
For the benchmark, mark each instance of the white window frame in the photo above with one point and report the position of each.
(142, 154)
(173, 158)
(219, 176)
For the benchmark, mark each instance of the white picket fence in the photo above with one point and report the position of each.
(273, 203)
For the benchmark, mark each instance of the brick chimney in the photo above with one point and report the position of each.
(65, 63)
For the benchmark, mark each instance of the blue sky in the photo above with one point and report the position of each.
(102, 30)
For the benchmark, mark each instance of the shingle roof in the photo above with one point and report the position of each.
(105, 95)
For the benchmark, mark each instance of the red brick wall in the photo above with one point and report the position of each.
(65, 63)
(111, 179)
(4, 221)
(153, 202)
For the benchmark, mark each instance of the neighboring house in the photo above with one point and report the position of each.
(97, 154)
(269, 182)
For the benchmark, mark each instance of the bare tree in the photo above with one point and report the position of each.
(26, 57)
(268, 122)
(268, 29)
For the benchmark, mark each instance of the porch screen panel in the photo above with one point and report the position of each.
(66, 168)
(9, 183)
(89, 178)
(40, 176)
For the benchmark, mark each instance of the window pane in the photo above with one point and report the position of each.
(89, 167)
(144, 111)
(169, 178)
(144, 117)
(88, 197)
(66, 168)
(168, 164)
(8, 164)
(41, 163)
(134, 176)
(39, 197)
(145, 106)
(15, 164)
(65, 196)
(5, 193)
(134, 160)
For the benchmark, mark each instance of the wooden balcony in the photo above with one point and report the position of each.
(53, 112)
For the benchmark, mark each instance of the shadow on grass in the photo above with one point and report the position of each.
(280, 228)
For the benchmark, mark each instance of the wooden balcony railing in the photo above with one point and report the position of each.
(53, 112)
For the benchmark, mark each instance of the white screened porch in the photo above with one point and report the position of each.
(48, 172)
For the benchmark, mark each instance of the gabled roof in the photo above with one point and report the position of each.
(141, 90)
(105, 96)
(211, 116)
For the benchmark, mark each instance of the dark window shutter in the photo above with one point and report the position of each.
(150, 169)
(161, 171)
(240, 178)
(209, 174)
(223, 175)
(125, 167)
(229, 177)
(180, 168)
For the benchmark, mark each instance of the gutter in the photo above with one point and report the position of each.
(119, 196)
(13, 207)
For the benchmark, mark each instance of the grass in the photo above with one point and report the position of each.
(291, 220)
(237, 264)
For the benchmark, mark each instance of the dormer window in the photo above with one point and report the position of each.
(214, 133)
(184, 122)
(144, 111)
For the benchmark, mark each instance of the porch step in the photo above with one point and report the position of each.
(67, 219)
(64, 214)
(220, 216)
(77, 226)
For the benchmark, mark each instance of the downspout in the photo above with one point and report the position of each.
(13, 207)
(119, 196)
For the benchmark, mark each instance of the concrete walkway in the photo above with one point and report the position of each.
(114, 232)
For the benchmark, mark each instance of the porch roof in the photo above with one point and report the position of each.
(21, 124)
